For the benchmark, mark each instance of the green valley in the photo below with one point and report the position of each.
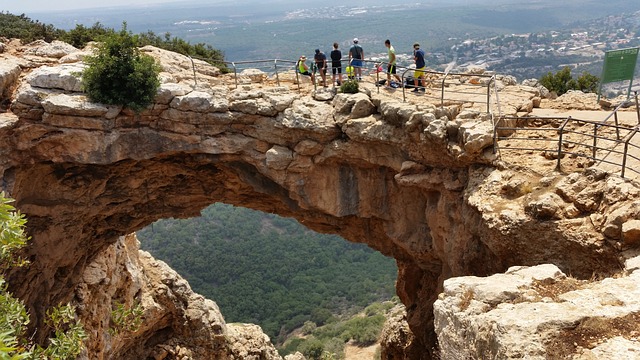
(272, 271)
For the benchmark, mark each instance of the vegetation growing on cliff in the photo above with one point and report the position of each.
(119, 74)
(23, 28)
(67, 332)
(265, 269)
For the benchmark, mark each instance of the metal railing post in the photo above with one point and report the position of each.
(615, 118)
(404, 87)
(560, 134)
(444, 78)
(489, 91)
(637, 106)
(275, 65)
(495, 135)
(595, 141)
(235, 73)
(193, 65)
(624, 156)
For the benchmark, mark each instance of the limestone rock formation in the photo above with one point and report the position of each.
(416, 180)
(177, 323)
(538, 313)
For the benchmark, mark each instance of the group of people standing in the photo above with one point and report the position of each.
(356, 63)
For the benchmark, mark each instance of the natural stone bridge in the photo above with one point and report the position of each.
(415, 181)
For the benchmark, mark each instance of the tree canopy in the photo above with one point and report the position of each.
(269, 270)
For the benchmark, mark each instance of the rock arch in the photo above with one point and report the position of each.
(409, 180)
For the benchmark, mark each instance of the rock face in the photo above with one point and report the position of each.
(416, 181)
(538, 313)
(177, 323)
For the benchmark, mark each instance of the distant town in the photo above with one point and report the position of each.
(535, 54)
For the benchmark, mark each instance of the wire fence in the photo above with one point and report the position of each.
(609, 144)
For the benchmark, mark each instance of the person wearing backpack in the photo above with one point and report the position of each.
(356, 57)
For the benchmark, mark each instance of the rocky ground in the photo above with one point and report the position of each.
(414, 176)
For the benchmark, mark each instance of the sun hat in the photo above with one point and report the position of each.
(355, 40)
(416, 45)
(303, 57)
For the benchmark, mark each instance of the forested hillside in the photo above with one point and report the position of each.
(269, 270)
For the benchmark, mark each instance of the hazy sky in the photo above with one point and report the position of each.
(32, 6)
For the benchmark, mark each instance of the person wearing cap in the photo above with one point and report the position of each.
(303, 69)
(418, 57)
(321, 64)
(356, 57)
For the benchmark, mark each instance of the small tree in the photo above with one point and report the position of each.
(588, 82)
(119, 74)
(562, 81)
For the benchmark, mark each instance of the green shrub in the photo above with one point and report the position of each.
(349, 87)
(125, 318)
(120, 75)
(23, 28)
(81, 35)
(312, 348)
(562, 81)
(68, 334)
(308, 327)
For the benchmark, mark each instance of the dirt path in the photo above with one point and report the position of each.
(352, 352)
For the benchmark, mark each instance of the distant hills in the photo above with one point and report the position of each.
(287, 29)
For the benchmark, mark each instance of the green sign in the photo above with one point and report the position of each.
(619, 65)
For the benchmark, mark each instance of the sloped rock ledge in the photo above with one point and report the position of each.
(539, 313)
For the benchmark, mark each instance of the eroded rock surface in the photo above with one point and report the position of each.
(177, 323)
(417, 181)
(538, 313)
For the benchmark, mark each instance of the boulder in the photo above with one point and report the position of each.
(65, 77)
(56, 49)
(533, 313)
(631, 232)
(256, 75)
(477, 136)
(9, 74)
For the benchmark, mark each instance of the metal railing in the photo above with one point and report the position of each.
(599, 141)
(436, 79)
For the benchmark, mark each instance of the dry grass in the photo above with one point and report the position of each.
(590, 332)
(465, 299)
(554, 288)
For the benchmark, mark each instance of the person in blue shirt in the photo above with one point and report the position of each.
(418, 57)
(356, 57)
(321, 64)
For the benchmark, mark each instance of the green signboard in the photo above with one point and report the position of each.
(619, 65)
